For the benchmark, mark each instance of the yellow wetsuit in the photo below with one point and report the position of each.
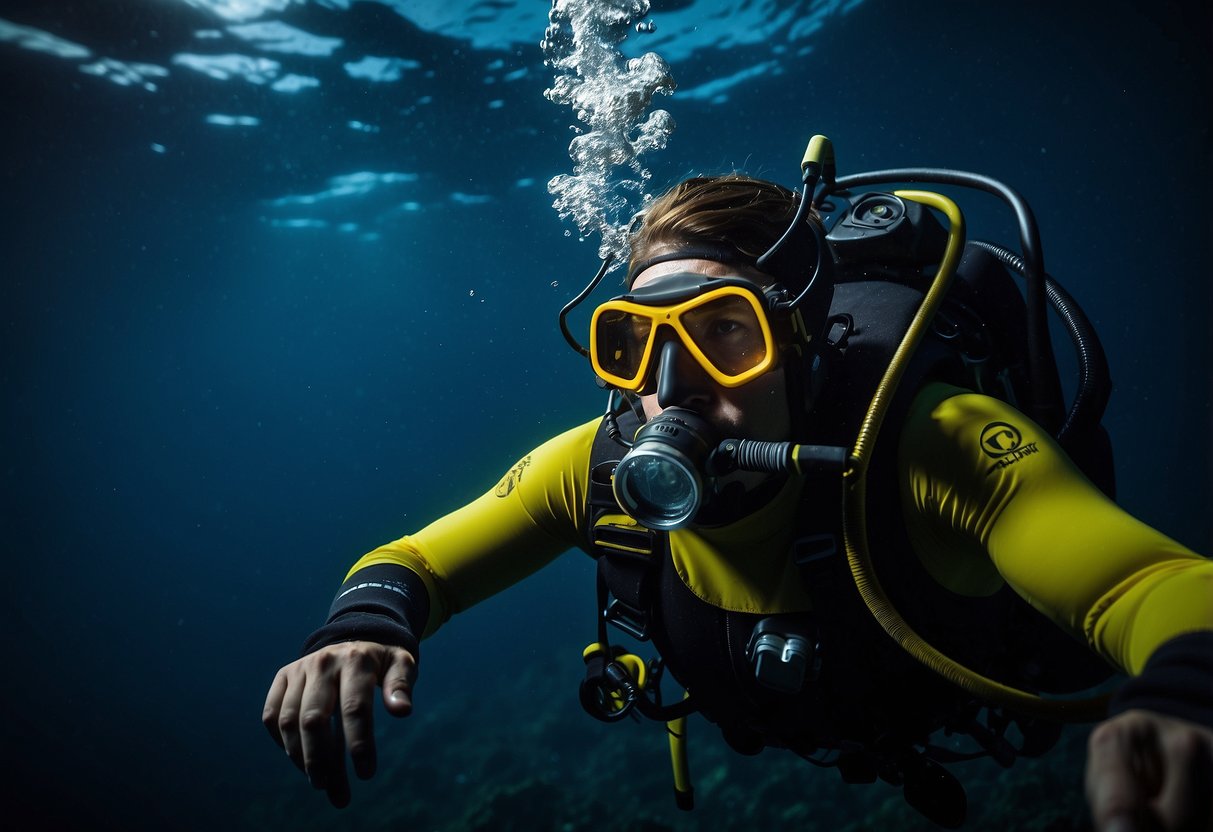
(987, 497)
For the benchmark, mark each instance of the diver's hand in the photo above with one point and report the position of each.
(338, 680)
(1148, 772)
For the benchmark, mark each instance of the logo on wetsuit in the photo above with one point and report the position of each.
(1004, 442)
(512, 477)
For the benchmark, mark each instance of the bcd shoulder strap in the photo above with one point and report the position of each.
(628, 555)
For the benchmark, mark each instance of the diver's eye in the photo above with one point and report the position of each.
(726, 326)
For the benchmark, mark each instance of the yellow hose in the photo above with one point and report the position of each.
(684, 794)
(855, 527)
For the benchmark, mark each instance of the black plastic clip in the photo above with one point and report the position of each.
(632, 621)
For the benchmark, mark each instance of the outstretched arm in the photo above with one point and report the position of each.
(402, 592)
(990, 497)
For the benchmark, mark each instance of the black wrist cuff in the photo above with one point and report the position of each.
(1177, 681)
(385, 603)
(362, 626)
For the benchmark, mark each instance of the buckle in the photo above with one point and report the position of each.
(632, 621)
(814, 550)
(629, 540)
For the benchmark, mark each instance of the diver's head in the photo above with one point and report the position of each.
(693, 339)
(712, 336)
(757, 408)
(719, 227)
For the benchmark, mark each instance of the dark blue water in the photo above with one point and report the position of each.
(217, 395)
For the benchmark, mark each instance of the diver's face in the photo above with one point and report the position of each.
(755, 410)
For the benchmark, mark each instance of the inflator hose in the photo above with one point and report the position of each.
(855, 537)
(684, 792)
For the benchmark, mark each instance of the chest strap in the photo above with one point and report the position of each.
(629, 559)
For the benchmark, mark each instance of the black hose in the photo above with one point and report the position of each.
(585, 293)
(756, 455)
(1094, 380)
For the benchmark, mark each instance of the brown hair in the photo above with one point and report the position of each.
(743, 213)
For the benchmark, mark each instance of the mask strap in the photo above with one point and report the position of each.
(717, 253)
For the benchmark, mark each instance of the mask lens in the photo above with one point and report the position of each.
(728, 332)
(619, 342)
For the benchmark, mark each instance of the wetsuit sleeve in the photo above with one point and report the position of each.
(532, 515)
(1178, 680)
(985, 486)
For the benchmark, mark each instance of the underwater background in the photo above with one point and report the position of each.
(270, 299)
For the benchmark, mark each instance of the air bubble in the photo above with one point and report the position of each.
(611, 96)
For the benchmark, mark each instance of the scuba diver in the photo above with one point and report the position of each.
(837, 490)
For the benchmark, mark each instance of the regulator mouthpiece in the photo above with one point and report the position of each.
(659, 482)
(671, 468)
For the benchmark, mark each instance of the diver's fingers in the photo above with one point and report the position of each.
(321, 681)
(1124, 772)
(398, 679)
(273, 706)
(336, 780)
(360, 672)
(288, 713)
(1186, 801)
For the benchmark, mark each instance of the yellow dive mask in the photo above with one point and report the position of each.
(721, 321)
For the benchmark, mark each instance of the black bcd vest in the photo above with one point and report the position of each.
(864, 691)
